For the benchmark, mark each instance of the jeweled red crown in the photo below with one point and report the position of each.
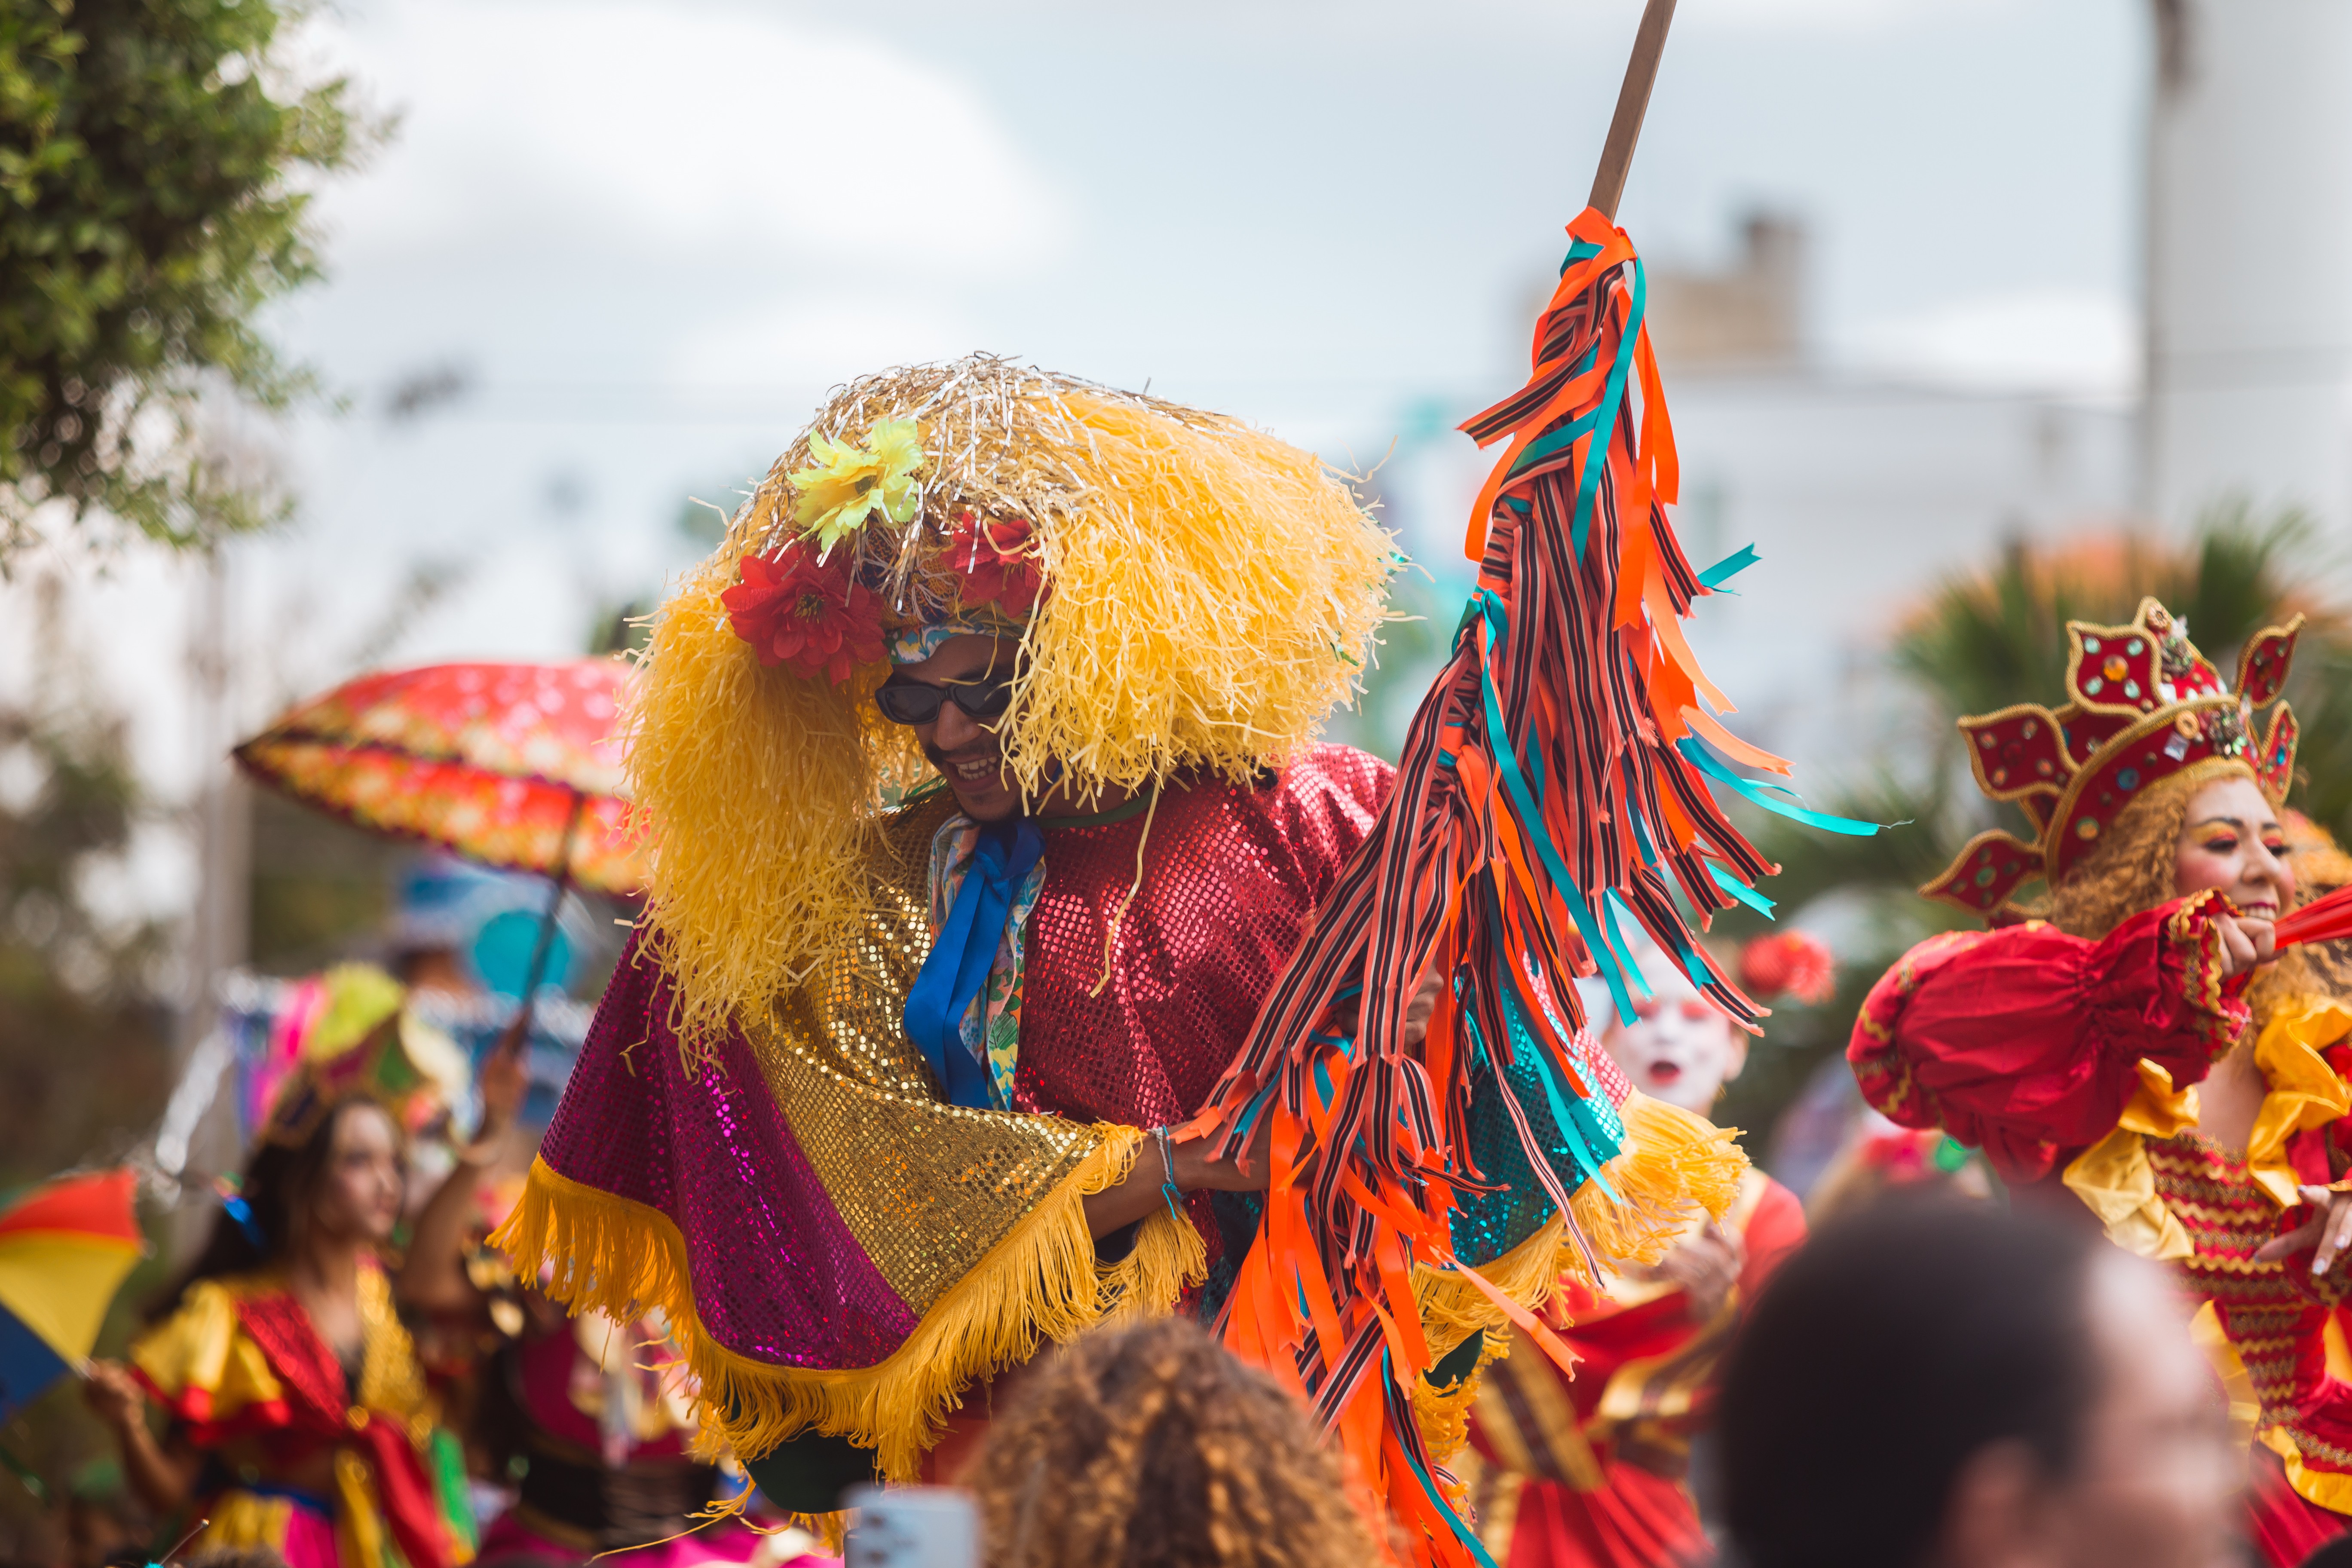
(2146, 705)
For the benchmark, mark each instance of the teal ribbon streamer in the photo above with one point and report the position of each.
(1461, 1532)
(1506, 763)
(1703, 757)
(1741, 890)
(1570, 1113)
(1605, 429)
(1730, 566)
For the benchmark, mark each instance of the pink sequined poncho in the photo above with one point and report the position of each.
(839, 1249)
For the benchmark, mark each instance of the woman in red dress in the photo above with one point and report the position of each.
(2071, 1047)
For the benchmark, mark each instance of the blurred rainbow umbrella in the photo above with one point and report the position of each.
(514, 765)
(64, 1251)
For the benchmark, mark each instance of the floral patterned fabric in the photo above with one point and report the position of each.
(489, 760)
(990, 1027)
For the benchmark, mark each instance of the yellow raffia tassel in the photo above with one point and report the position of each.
(1040, 1282)
(1210, 605)
(1672, 1161)
(1443, 1414)
(1211, 594)
(755, 793)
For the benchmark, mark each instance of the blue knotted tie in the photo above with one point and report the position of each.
(958, 967)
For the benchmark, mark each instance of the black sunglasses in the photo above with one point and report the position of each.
(914, 702)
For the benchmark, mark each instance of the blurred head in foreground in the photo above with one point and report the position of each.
(1934, 1385)
(1150, 1446)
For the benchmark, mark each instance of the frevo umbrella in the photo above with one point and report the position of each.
(513, 765)
(64, 1250)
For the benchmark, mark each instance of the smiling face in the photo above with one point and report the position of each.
(964, 749)
(2231, 840)
(1679, 1048)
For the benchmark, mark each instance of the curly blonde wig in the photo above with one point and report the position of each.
(2133, 868)
(1150, 1446)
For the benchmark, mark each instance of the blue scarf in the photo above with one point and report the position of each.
(957, 970)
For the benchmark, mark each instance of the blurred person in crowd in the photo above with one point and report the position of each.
(1150, 1446)
(101, 1520)
(588, 1414)
(235, 1557)
(1931, 1384)
(2070, 1047)
(1592, 1469)
(1879, 1158)
(296, 1416)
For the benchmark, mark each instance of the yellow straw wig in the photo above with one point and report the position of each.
(1210, 595)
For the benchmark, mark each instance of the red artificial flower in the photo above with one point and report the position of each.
(1793, 962)
(997, 560)
(813, 619)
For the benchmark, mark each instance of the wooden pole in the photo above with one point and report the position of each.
(1632, 102)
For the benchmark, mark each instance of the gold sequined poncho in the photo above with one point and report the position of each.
(838, 1249)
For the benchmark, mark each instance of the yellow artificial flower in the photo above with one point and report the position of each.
(844, 484)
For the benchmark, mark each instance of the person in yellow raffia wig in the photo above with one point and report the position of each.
(983, 803)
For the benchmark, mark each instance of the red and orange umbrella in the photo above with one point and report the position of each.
(514, 765)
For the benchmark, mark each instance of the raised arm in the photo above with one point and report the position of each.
(2026, 1042)
(433, 1276)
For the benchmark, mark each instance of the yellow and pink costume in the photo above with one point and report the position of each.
(326, 1464)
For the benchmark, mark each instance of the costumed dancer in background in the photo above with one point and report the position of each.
(2071, 1047)
(298, 1417)
(880, 1099)
(1591, 1471)
(583, 1411)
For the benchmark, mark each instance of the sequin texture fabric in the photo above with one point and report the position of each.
(826, 1196)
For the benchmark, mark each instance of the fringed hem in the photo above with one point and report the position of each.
(1671, 1161)
(1169, 1256)
(1443, 1414)
(1040, 1281)
(1452, 1310)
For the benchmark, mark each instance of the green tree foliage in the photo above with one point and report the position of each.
(156, 160)
(1984, 640)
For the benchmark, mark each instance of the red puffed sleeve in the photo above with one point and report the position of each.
(2024, 1042)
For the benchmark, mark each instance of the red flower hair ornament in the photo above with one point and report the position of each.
(1789, 962)
(813, 619)
(997, 561)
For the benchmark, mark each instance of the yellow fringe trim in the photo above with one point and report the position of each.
(1041, 1281)
(1443, 1414)
(1671, 1162)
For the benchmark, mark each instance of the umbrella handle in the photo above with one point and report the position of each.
(519, 1030)
(1632, 102)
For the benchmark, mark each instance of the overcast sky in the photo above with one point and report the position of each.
(648, 236)
(643, 238)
